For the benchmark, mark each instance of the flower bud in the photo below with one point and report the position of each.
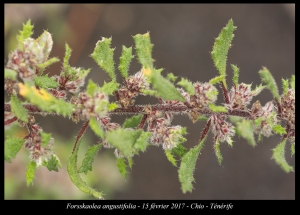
(222, 129)
(268, 118)
(205, 93)
(35, 52)
(239, 96)
(171, 137)
(88, 106)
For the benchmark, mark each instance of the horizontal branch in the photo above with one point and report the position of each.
(145, 109)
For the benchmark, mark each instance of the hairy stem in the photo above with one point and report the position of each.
(140, 109)
(142, 123)
(225, 93)
(81, 132)
(7, 122)
(205, 131)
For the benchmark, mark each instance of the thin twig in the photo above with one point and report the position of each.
(278, 107)
(225, 93)
(142, 123)
(7, 122)
(205, 131)
(81, 132)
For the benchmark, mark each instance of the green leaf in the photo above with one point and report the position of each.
(75, 74)
(31, 168)
(133, 121)
(202, 117)
(278, 156)
(11, 74)
(171, 77)
(45, 82)
(112, 106)
(285, 86)
(76, 179)
(278, 129)
(293, 149)
(268, 79)
(236, 71)
(235, 119)
(96, 127)
(170, 157)
(187, 167)
(212, 93)
(148, 92)
(12, 146)
(221, 47)
(67, 56)
(143, 48)
(18, 109)
(258, 121)
(110, 87)
(142, 142)
(216, 108)
(125, 60)
(270, 118)
(187, 85)
(45, 101)
(258, 89)
(45, 42)
(293, 82)
(130, 162)
(45, 138)
(217, 79)
(123, 139)
(244, 128)
(91, 88)
(25, 33)
(121, 163)
(260, 138)
(48, 63)
(104, 57)
(218, 152)
(53, 163)
(229, 141)
(164, 88)
(88, 159)
(179, 150)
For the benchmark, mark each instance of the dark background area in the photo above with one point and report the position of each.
(183, 36)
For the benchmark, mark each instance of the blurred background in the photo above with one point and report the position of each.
(183, 36)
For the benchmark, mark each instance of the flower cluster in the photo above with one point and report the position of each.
(162, 133)
(205, 94)
(33, 143)
(239, 97)
(288, 112)
(264, 118)
(222, 130)
(106, 125)
(71, 79)
(88, 106)
(28, 59)
(133, 87)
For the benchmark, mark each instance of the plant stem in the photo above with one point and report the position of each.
(7, 122)
(81, 132)
(205, 131)
(225, 93)
(140, 109)
(142, 123)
